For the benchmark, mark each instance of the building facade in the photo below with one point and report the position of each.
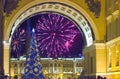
(52, 68)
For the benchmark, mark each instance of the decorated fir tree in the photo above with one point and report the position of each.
(33, 66)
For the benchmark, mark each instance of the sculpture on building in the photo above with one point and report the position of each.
(94, 6)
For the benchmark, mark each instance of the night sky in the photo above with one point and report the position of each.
(56, 35)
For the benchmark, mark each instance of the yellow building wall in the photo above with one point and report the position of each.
(113, 39)
(6, 59)
(101, 59)
(113, 58)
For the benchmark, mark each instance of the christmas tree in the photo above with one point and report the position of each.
(33, 66)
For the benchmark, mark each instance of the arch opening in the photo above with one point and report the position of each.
(56, 34)
(62, 9)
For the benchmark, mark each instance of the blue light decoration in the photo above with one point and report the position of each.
(33, 66)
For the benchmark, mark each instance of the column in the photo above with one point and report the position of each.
(6, 59)
(90, 62)
(101, 60)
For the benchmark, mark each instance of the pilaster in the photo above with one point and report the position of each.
(101, 60)
(6, 59)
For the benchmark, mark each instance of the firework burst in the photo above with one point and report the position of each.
(55, 34)
(18, 42)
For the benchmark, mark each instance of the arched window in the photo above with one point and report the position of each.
(117, 25)
(109, 33)
(108, 6)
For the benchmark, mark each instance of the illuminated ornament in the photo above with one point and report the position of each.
(18, 42)
(33, 30)
(55, 34)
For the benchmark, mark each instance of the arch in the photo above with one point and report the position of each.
(81, 18)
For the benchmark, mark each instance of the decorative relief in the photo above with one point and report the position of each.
(10, 5)
(94, 6)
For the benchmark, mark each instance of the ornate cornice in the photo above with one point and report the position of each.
(100, 45)
(113, 42)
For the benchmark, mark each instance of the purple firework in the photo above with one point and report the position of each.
(18, 42)
(55, 34)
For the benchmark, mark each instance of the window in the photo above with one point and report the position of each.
(109, 59)
(109, 34)
(117, 27)
(117, 57)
